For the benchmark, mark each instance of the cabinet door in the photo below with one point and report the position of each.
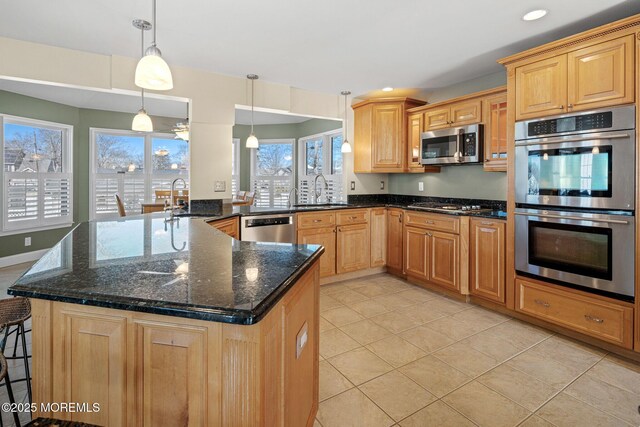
(327, 238)
(416, 244)
(464, 113)
(378, 224)
(487, 250)
(394, 239)
(353, 248)
(437, 119)
(91, 346)
(495, 134)
(388, 142)
(541, 88)
(443, 259)
(601, 75)
(414, 131)
(171, 374)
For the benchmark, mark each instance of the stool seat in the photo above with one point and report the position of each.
(52, 422)
(14, 311)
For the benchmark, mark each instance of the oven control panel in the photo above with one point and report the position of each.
(601, 120)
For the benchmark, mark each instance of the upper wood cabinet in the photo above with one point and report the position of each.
(591, 77)
(394, 240)
(414, 132)
(495, 133)
(378, 233)
(380, 134)
(487, 263)
(456, 114)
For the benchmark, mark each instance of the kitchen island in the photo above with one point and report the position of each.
(175, 324)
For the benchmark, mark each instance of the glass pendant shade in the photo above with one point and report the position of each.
(153, 72)
(183, 134)
(142, 122)
(346, 147)
(252, 141)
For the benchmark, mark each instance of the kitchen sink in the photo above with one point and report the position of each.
(319, 205)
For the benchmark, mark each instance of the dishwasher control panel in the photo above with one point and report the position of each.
(267, 221)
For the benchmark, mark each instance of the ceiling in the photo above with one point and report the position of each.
(97, 100)
(327, 46)
(243, 117)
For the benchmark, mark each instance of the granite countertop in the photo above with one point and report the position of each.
(185, 268)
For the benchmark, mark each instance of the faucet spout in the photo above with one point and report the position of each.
(293, 190)
(171, 207)
(318, 193)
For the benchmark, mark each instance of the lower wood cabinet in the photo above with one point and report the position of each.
(378, 227)
(443, 253)
(228, 226)
(487, 263)
(395, 251)
(416, 248)
(353, 251)
(326, 237)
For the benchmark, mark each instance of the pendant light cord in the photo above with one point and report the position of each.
(346, 123)
(252, 107)
(153, 13)
(142, 55)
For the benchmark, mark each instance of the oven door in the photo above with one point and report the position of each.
(587, 171)
(588, 250)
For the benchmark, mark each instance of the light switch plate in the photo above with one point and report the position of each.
(301, 339)
(353, 185)
(420, 186)
(27, 241)
(220, 186)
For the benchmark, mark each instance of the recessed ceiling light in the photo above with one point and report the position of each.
(387, 89)
(534, 14)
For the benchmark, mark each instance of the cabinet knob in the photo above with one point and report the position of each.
(561, 107)
(570, 106)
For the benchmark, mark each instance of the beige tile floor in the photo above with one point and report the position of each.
(395, 354)
(392, 354)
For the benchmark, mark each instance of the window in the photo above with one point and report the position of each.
(37, 177)
(321, 154)
(134, 166)
(235, 167)
(272, 172)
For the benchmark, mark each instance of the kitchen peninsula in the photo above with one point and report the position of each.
(175, 323)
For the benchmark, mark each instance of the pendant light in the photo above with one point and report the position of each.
(346, 147)
(252, 141)
(181, 129)
(152, 71)
(142, 122)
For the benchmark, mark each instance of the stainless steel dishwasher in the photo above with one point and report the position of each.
(279, 228)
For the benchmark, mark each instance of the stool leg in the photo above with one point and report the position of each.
(15, 343)
(25, 355)
(12, 399)
(3, 343)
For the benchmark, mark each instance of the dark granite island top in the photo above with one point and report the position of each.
(184, 268)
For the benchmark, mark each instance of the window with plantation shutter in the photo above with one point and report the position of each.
(320, 154)
(235, 167)
(37, 174)
(272, 172)
(134, 166)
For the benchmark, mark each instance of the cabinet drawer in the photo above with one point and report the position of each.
(599, 318)
(352, 216)
(316, 219)
(227, 226)
(433, 221)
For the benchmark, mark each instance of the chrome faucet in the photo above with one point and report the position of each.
(171, 207)
(317, 193)
(297, 195)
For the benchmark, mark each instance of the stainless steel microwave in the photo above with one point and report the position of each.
(452, 146)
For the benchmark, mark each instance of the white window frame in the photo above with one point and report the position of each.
(236, 165)
(306, 181)
(147, 175)
(254, 163)
(67, 164)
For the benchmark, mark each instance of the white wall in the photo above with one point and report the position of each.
(213, 100)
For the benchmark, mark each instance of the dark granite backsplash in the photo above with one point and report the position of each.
(406, 200)
(209, 206)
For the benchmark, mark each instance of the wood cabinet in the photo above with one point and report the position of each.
(444, 264)
(380, 134)
(487, 264)
(456, 114)
(416, 248)
(495, 133)
(228, 226)
(378, 233)
(599, 317)
(414, 146)
(353, 251)
(598, 75)
(395, 248)
(325, 236)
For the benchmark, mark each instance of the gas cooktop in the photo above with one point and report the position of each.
(448, 208)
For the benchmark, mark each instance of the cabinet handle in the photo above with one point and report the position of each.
(400, 218)
(429, 222)
(593, 319)
(570, 106)
(542, 303)
(561, 107)
(429, 234)
(317, 220)
(487, 223)
(487, 160)
(334, 230)
(353, 217)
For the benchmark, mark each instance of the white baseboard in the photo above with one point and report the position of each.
(23, 257)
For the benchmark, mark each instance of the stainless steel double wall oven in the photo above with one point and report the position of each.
(575, 199)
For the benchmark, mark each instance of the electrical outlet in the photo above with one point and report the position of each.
(420, 186)
(220, 186)
(27, 241)
(382, 185)
(353, 185)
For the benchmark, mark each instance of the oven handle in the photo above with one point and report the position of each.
(576, 218)
(560, 140)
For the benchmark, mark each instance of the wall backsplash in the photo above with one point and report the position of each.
(468, 181)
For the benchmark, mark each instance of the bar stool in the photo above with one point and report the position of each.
(4, 375)
(14, 312)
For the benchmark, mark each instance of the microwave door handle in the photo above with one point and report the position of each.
(458, 155)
